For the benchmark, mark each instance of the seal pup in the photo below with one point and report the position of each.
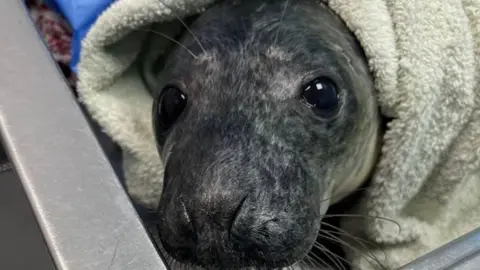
(264, 117)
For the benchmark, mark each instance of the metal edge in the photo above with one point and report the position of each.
(452, 256)
(84, 213)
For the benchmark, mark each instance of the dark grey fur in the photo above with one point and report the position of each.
(249, 169)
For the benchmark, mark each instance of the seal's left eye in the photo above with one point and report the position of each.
(321, 95)
(167, 108)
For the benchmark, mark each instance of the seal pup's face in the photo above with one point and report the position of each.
(265, 116)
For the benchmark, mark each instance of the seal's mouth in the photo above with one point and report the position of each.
(321, 254)
(309, 259)
(240, 248)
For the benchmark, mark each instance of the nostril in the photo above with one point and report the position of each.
(185, 213)
(187, 220)
(236, 213)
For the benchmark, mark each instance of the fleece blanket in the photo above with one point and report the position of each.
(424, 56)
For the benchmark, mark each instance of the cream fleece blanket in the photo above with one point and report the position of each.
(425, 59)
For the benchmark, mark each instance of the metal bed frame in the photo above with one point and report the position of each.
(58, 159)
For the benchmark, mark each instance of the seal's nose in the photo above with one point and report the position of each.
(219, 232)
(190, 228)
(221, 218)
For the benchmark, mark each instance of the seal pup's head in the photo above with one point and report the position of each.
(264, 117)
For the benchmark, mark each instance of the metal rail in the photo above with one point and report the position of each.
(84, 213)
(462, 253)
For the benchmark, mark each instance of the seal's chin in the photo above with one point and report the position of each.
(235, 263)
(301, 263)
(268, 258)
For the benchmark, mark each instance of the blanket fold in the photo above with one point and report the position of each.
(425, 59)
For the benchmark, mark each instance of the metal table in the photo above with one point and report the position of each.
(462, 253)
(84, 214)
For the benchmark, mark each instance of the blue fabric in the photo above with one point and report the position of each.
(80, 14)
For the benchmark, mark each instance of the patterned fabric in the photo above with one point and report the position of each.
(57, 35)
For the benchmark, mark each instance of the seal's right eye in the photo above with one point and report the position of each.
(167, 108)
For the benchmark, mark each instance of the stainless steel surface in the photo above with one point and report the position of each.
(461, 254)
(19, 231)
(84, 214)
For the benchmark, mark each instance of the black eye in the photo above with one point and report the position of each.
(321, 95)
(167, 107)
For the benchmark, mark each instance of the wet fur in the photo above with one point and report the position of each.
(245, 136)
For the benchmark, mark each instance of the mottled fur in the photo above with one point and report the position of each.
(249, 169)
